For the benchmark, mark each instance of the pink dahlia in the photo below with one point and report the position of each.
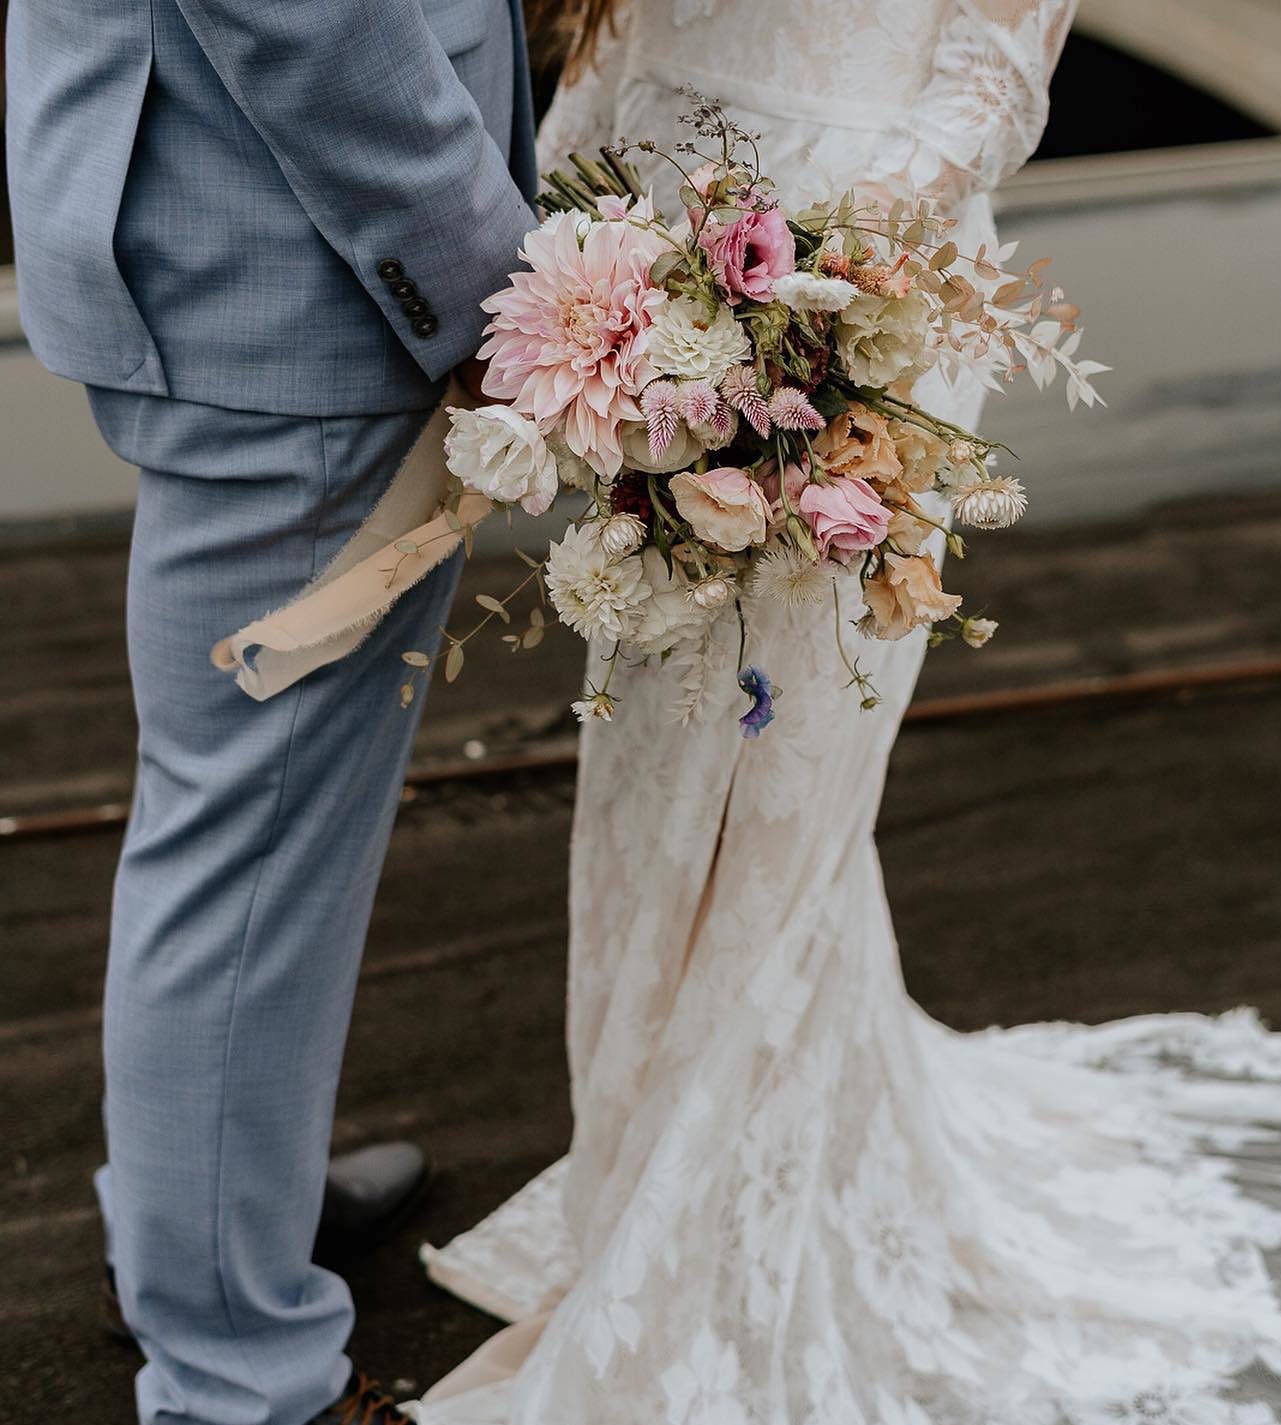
(567, 342)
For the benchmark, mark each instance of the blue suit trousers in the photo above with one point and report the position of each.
(254, 848)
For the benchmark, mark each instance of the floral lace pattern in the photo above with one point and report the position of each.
(792, 1198)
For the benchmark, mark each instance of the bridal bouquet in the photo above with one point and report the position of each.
(731, 392)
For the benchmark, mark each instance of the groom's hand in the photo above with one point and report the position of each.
(471, 375)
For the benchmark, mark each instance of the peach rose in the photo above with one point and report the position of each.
(904, 594)
(724, 507)
(858, 442)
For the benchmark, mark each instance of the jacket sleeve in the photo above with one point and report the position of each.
(385, 149)
(985, 102)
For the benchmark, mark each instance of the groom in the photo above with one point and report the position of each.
(258, 231)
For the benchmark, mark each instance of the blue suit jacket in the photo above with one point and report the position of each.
(277, 205)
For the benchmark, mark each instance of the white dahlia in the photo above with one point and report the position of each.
(591, 592)
(668, 614)
(684, 341)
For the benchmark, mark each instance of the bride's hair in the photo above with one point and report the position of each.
(574, 26)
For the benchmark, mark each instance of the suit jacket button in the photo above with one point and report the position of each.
(403, 290)
(389, 269)
(416, 307)
(426, 326)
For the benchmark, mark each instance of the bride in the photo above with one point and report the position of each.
(792, 1198)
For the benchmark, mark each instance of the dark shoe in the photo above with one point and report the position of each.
(113, 1319)
(364, 1402)
(369, 1194)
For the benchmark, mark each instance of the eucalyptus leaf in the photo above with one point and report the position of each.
(454, 663)
(415, 659)
(487, 601)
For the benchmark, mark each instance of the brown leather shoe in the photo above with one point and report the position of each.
(364, 1402)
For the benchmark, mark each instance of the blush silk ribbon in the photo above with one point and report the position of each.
(407, 535)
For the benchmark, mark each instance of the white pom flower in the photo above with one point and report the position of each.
(808, 292)
(500, 453)
(591, 592)
(621, 535)
(785, 576)
(978, 631)
(684, 341)
(990, 504)
(881, 339)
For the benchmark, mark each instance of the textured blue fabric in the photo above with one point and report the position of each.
(203, 192)
(254, 847)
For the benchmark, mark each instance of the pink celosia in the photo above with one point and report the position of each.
(789, 410)
(660, 402)
(567, 342)
(738, 387)
(747, 255)
(698, 402)
(847, 516)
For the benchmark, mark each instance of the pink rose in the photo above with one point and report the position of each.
(846, 516)
(724, 507)
(747, 256)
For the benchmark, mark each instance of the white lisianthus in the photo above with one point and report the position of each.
(590, 591)
(669, 614)
(808, 292)
(881, 339)
(684, 341)
(500, 453)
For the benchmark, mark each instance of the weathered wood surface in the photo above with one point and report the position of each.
(1084, 863)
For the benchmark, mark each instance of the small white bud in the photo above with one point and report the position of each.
(990, 504)
(978, 631)
(622, 535)
(713, 593)
(960, 452)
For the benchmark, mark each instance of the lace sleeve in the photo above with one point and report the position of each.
(984, 106)
(581, 116)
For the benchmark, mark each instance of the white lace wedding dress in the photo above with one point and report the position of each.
(793, 1198)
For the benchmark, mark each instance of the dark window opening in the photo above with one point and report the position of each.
(1105, 100)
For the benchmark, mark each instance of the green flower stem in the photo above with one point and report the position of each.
(858, 679)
